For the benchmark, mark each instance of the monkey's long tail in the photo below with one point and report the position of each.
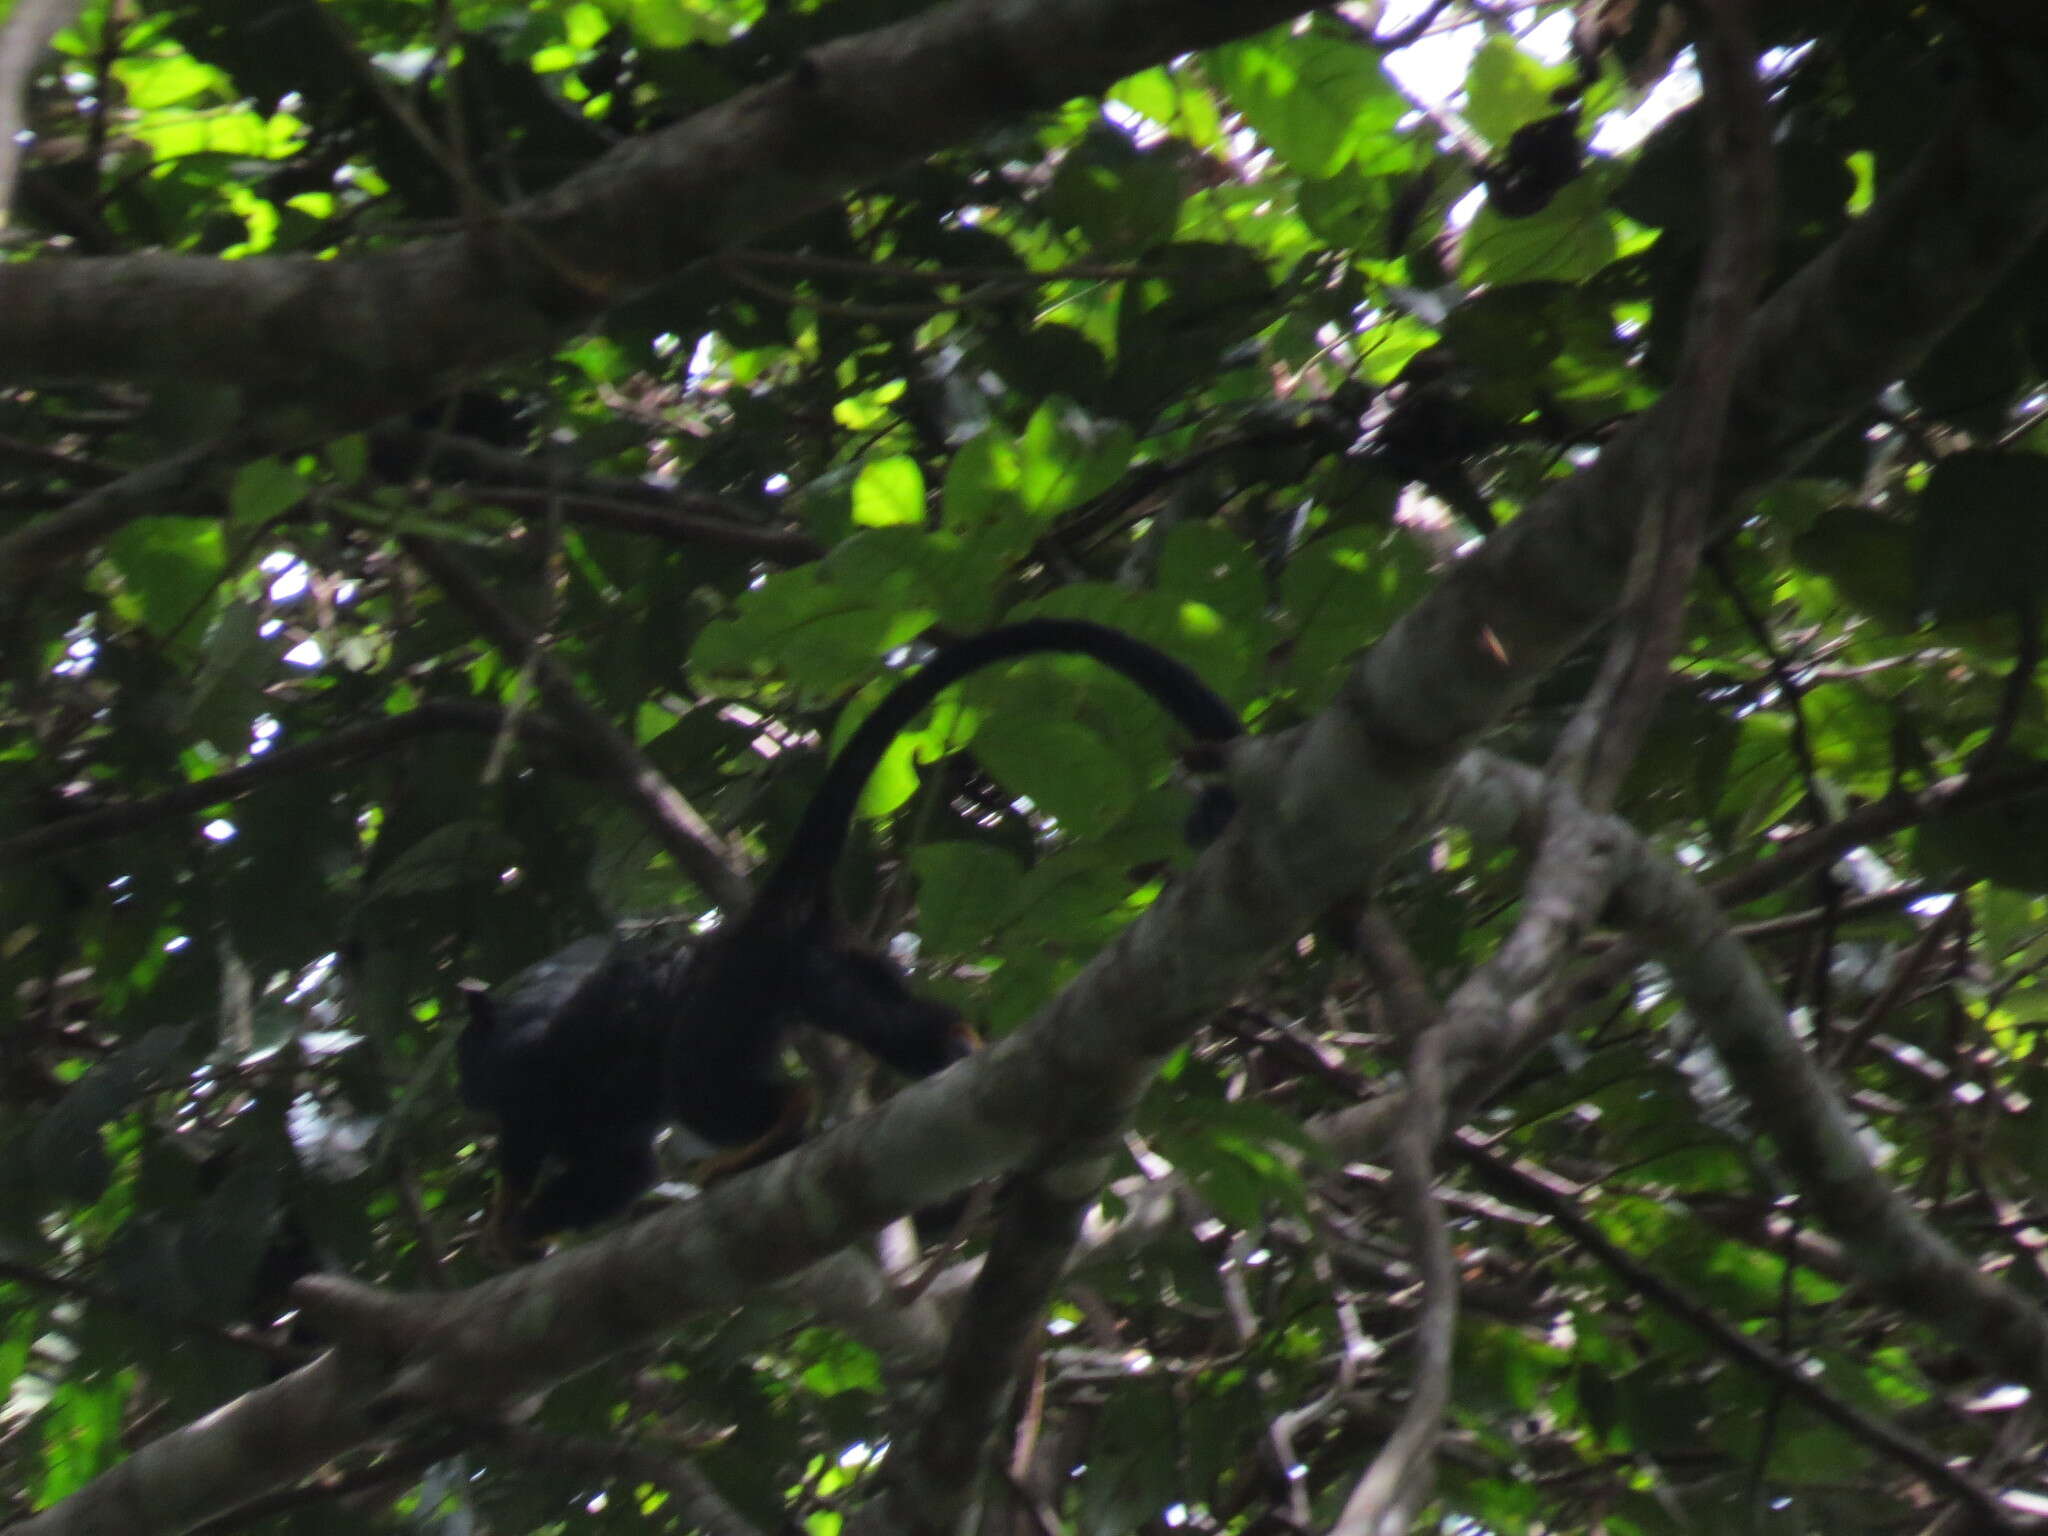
(821, 835)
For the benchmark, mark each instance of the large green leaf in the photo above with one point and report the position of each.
(169, 567)
(1315, 100)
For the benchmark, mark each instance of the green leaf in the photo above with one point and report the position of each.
(1064, 769)
(460, 854)
(2007, 843)
(1050, 358)
(1235, 1189)
(585, 25)
(1516, 331)
(227, 693)
(1314, 99)
(1206, 564)
(1870, 560)
(1336, 596)
(1983, 535)
(823, 635)
(963, 891)
(917, 579)
(1066, 456)
(264, 489)
(66, 1147)
(158, 80)
(839, 1365)
(664, 24)
(348, 457)
(1132, 1474)
(1348, 209)
(1569, 241)
(948, 724)
(1506, 88)
(1164, 98)
(889, 493)
(1071, 901)
(868, 410)
(83, 1436)
(1123, 200)
(169, 566)
(982, 484)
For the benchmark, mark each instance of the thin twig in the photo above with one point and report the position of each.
(702, 854)
(274, 767)
(1526, 1188)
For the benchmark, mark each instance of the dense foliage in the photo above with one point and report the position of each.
(1240, 356)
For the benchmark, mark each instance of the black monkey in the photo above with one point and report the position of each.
(582, 1058)
(567, 1057)
(1542, 159)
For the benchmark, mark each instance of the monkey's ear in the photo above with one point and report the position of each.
(482, 1015)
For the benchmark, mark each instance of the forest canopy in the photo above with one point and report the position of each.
(465, 468)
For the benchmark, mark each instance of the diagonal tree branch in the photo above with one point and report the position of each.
(1529, 1187)
(1786, 1094)
(338, 344)
(697, 849)
(1608, 728)
(932, 1472)
(35, 547)
(672, 514)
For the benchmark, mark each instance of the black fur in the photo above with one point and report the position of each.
(583, 1058)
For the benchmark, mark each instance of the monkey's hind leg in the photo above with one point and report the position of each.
(792, 1120)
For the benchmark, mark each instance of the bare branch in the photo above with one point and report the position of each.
(1390, 1494)
(941, 1458)
(277, 765)
(1530, 1187)
(1609, 726)
(518, 479)
(700, 852)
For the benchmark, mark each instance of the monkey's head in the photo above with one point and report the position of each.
(866, 998)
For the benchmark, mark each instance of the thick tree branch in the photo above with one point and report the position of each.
(338, 344)
(1786, 1094)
